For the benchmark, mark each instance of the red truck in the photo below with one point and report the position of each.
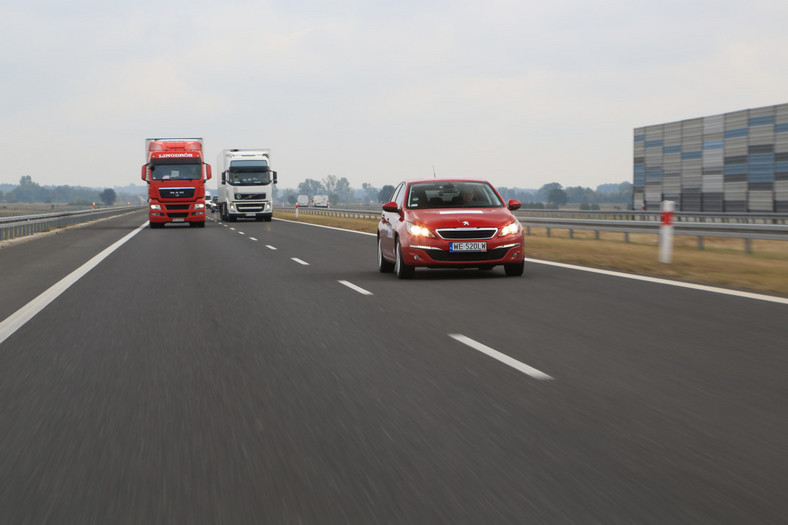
(176, 175)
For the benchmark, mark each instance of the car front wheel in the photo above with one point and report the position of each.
(514, 269)
(384, 266)
(402, 270)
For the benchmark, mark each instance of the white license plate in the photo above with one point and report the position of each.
(250, 214)
(468, 247)
(177, 220)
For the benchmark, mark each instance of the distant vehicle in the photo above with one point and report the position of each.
(215, 203)
(320, 201)
(208, 199)
(449, 223)
(246, 185)
(303, 201)
(176, 175)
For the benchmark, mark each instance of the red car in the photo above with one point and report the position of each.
(449, 223)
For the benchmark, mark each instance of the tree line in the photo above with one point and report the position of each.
(29, 191)
(550, 195)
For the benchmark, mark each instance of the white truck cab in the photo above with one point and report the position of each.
(246, 184)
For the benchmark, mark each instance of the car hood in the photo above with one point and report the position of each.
(459, 218)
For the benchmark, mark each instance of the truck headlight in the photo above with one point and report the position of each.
(199, 206)
(155, 206)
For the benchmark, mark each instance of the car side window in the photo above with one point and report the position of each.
(398, 194)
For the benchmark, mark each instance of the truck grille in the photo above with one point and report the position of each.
(250, 196)
(467, 233)
(249, 208)
(176, 193)
(176, 207)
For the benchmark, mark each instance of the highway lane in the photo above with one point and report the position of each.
(283, 395)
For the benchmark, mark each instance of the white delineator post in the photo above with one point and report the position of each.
(296, 210)
(666, 232)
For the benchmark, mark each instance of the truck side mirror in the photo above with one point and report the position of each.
(224, 177)
(145, 173)
(274, 174)
(207, 172)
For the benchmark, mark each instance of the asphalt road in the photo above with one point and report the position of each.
(268, 373)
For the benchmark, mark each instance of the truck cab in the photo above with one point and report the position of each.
(246, 185)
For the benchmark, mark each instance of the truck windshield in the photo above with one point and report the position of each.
(249, 173)
(176, 171)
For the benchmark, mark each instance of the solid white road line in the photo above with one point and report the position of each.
(299, 261)
(658, 280)
(517, 365)
(356, 288)
(16, 320)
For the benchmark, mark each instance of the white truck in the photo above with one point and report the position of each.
(320, 201)
(246, 185)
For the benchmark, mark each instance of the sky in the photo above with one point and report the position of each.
(517, 92)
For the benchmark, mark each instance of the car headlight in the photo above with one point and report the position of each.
(418, 231)
(155, 206)
(510, 229)
(199, 206)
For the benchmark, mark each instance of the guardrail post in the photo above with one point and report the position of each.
(666, 232)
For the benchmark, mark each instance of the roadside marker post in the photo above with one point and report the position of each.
(666, 232)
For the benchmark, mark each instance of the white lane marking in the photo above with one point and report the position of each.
(270, 247)
(16, 320)
(495, 354)
(299, 261)
(233, 229)
(657, 280)
(356, 288)
(242, 233)
(327, 227)
(252, 238)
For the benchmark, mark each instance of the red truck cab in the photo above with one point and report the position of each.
(176, 176)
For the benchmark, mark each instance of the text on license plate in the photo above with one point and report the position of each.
(177, 220)
(468, 247)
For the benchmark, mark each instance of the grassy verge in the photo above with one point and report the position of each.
(722, 262)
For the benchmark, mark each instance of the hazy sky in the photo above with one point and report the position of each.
(521, 93)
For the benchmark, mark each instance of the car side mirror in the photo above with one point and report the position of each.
(514, 204)
(391, 207)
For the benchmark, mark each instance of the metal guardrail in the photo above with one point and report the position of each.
(757, 226)
(23, 225)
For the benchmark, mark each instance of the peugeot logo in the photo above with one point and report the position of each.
(466, 223)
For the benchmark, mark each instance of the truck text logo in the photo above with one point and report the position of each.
(171, 155)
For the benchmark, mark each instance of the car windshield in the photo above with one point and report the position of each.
(455, 194)
(249, 172)
(174, 171)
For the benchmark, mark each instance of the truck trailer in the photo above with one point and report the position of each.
(176, 175)
(245, 188)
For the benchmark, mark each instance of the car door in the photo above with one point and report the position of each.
(388, 223)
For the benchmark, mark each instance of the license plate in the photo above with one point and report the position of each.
(468, 247)
(250, 214)
(177, 220)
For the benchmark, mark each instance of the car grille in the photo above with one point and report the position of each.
(467, 233)
(444, 256)
(176, 193)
